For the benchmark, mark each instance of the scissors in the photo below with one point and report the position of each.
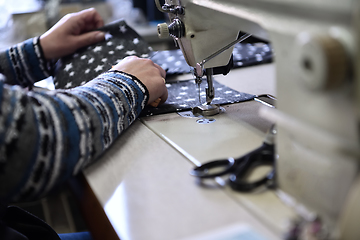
(240, 168)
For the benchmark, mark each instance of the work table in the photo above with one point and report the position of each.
(142, 183)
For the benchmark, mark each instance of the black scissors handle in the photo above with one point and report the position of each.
(264, 155)
(240, 168)
(218, 168)
(207, 170)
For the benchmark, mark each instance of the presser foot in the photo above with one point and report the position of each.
(206, 110)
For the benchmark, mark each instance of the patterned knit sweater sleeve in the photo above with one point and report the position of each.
(48, 136)
(24, 64)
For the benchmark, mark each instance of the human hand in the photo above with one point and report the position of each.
(149, 73)
(72, 33)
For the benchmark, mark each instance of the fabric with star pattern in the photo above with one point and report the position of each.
(244, 55)
(184, 95)
(87, 63)
(123, 41)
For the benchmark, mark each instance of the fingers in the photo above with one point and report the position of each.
(162, 71)
(87, 20)
(91, 18)
(149, 73)
(71, 33)
(89, 38)
(164, 96)
(83, 21)
(155, 103)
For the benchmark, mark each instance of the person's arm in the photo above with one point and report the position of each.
(23, 64)
(31, 60)
(48, 136)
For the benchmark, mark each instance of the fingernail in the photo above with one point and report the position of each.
(100, 36)
(155, 103)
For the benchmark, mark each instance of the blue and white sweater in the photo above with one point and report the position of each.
(48, 136)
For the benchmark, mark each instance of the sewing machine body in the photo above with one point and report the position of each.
(316, 57)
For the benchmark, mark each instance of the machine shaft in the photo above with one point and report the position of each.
(210, 93)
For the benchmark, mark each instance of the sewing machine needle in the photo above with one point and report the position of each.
(199, 93)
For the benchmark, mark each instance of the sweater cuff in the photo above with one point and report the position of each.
(27, 63)
(139, 84)
(140, 88)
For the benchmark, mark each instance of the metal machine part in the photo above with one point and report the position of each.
(176, 29)
(199, 113)
(206, 110)
(210, 93)
(317, 83)
(205, 120)
(200, 66)
(173, 7)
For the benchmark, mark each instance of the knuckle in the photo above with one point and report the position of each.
(68, 16)
(154, 71)
(147, 61)
(131, 57)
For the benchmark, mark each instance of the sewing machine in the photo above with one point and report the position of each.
(318, 95)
